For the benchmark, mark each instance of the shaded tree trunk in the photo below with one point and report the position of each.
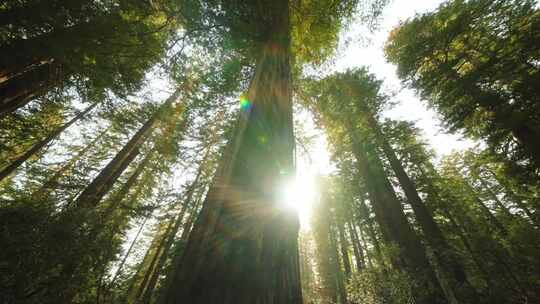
(21, 89)
(357, 249)
(454, 272)
(149, 290)
(344, 249)
(494, 197)
(152, 267)
(515, 198)
(338, 273)
(364, 213)
(126, 187)
(186, 229)
(394, 225)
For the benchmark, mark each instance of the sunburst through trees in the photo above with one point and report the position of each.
(169, 151)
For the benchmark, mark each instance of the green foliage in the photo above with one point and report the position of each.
(77, 39)
(374, 286)
(475, 62)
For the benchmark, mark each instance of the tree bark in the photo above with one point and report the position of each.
(126, 187)
(515, 198)
(19, 90)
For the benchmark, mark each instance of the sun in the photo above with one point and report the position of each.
(299, 195)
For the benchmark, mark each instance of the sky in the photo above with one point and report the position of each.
(409, 107)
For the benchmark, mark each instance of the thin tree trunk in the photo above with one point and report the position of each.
(338, 273)
(148, 256)
(128, 252)
(152, 266)
(358, 255)
(52, 182)
(363, 246)
(364, 213)
(104, 181)
(343, 247)
(126, 187)
(486, 210)
(42, 143)
(494, 197)
(525, 132)
(186, 229)
(147, 295)
(467, 244)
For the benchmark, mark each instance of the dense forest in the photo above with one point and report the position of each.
(145, 146)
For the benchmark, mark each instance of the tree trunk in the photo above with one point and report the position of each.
(153, 263)
(186, 229)
(19, 90)
(491, 218)
(338, 273)
(326, 251)
(243, 247)
(52, 182)
(344, 249)
(466, 223)
(357, 249)
(494, 197)
(147, 295)
(524, 131)
(363, 246)
(131, 294)
(364, 213)
(124, 190)
(467, 244)
(394, 225)
(126, 255)
(104, 181)
(448, 260)
(42, 143)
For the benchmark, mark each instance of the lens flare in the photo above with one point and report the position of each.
(245, 104)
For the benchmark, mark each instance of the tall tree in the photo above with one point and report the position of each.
(477, 70)
(339, 112)
(243, 248)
